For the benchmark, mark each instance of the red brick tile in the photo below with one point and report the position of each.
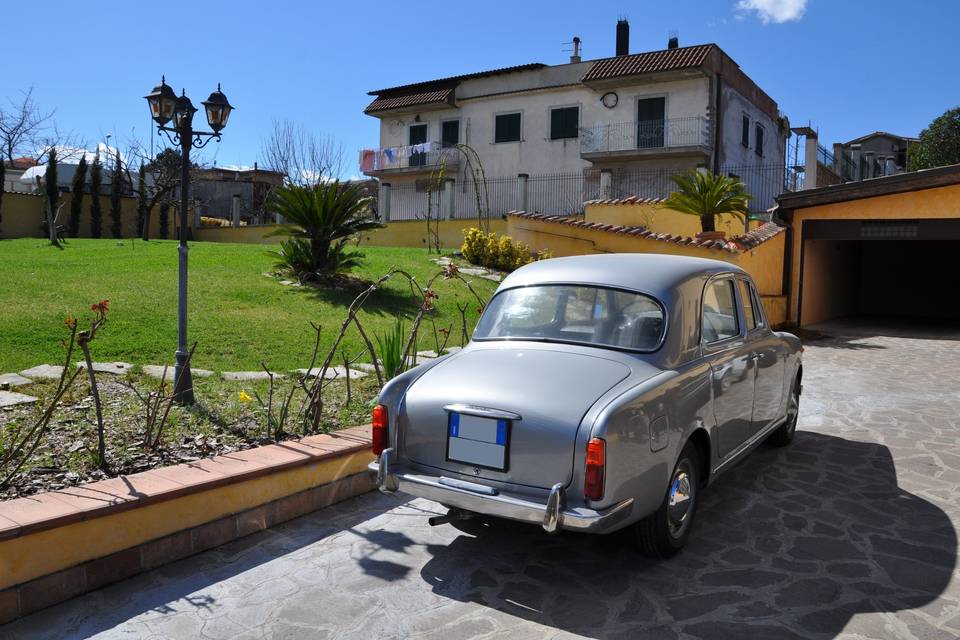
(189, 475)
(213, 534)
(148, 485)
(231, 464)
(293, 506)
(278, 456)
(253, 520)
(9, 605)
(40, 511)
(49, 590)
(8, 528)
(112, 568)
(166, 549)
(97, 497)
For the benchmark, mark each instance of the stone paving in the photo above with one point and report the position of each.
(850, 532)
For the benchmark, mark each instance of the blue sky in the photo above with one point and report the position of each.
(849, 67)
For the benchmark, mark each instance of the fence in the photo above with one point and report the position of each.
(565, 193)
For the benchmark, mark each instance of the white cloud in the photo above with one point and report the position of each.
(777, 11)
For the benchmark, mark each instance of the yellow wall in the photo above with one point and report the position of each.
(23, 214)
(411, 233)
(938, 202)
(38, 554)
(658, 218)
(764, 263)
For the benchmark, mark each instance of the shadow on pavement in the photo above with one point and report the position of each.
(792, 543)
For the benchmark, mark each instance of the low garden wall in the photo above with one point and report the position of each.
(401, 233)
(23, 215)
(570, 237)
(56, 545)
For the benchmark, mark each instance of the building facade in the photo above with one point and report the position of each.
(637, 118)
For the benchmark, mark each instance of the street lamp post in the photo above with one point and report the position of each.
(164, 106)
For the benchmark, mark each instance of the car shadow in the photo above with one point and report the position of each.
(792, 543)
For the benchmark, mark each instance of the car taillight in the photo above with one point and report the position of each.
(381, 434)
(593, 474)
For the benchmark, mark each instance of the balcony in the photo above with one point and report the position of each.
(670, 137)
(410, 159)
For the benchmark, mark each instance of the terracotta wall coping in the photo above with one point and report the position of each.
(52, 509)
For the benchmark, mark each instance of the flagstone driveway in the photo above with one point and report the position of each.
(850, 532)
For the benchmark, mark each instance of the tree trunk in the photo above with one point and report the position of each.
(52, 224)
(146, 222)
(707, 223)
(95, 392)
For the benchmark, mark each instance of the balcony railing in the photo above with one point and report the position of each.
(646, 134)
(411, 157)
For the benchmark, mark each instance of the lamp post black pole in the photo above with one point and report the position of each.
(182, 379)
(164, 106)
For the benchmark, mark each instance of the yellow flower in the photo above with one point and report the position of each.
(244, 397)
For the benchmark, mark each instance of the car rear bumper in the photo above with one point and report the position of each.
(552, 516)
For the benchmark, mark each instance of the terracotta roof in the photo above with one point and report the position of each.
(454, 80)
(439, 96)
(649, 62)
(627, 200)
(21, 163)
(736, 244)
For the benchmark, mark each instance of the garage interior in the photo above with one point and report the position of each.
(902, 270)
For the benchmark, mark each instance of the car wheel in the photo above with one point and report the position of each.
(664, 533)
(784, 435)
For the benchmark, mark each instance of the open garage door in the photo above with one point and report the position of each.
(900, 269)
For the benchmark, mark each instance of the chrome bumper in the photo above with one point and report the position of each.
(552, 516)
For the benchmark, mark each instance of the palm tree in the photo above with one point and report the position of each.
(707, 196)
(324, 216)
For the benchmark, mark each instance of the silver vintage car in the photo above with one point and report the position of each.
(597, 392)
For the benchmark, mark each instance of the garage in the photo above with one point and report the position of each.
(883, 249)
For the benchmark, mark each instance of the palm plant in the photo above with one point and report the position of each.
(707, 196)
(391, 346)
(323, 218)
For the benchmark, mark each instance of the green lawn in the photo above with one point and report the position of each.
(238, 316)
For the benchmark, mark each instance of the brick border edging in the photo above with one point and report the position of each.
(31, 596)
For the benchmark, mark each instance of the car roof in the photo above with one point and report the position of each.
(656, 274)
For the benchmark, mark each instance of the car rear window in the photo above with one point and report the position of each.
(576, 314)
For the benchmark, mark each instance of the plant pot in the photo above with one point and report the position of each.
(712, 235)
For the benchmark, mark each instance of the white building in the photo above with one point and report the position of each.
(614, 126)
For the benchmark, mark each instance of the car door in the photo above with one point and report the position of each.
(765, 351)
(725, 347)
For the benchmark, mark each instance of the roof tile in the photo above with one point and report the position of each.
(649, 62)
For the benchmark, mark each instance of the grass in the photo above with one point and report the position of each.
(239, 317)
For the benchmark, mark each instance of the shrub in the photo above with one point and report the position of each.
(391, 346)
(502, 253)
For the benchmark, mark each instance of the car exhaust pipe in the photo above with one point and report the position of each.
(449, 516)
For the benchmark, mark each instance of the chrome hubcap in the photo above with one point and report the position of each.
(680, 500)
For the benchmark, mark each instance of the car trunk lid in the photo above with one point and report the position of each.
(550, 389)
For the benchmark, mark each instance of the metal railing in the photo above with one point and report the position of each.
(824, 157)
(427, 154)
(563, 194)
(646, 134)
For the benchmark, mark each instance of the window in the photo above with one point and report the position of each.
(450, 133)
(577, 314)
(757, 307)
(759, 140)
(745, 131)
(564, 122)
(507, 127)
(749, 309)
(719, 312)
(418, 134)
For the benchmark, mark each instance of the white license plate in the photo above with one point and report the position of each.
(482, 442)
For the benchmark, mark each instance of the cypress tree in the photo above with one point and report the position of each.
(96, 213)
(164, 219)
(116, 190)
(141, 201)
(3, 176)
(76, 197)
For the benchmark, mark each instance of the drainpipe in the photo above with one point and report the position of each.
(522, 191)
(385, 201)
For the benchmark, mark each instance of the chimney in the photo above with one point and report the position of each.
(575, 58)
(623, 37)
(673, 40)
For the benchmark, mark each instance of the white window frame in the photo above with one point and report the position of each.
(550, 111)
(493, 136)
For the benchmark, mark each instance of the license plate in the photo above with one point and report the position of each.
(481, 442)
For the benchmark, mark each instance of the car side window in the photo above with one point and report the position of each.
(719, 320)
(757, 307)
(749, 312)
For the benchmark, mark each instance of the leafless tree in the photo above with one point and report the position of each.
(160, 182)
(26, 130)
(303, 156)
